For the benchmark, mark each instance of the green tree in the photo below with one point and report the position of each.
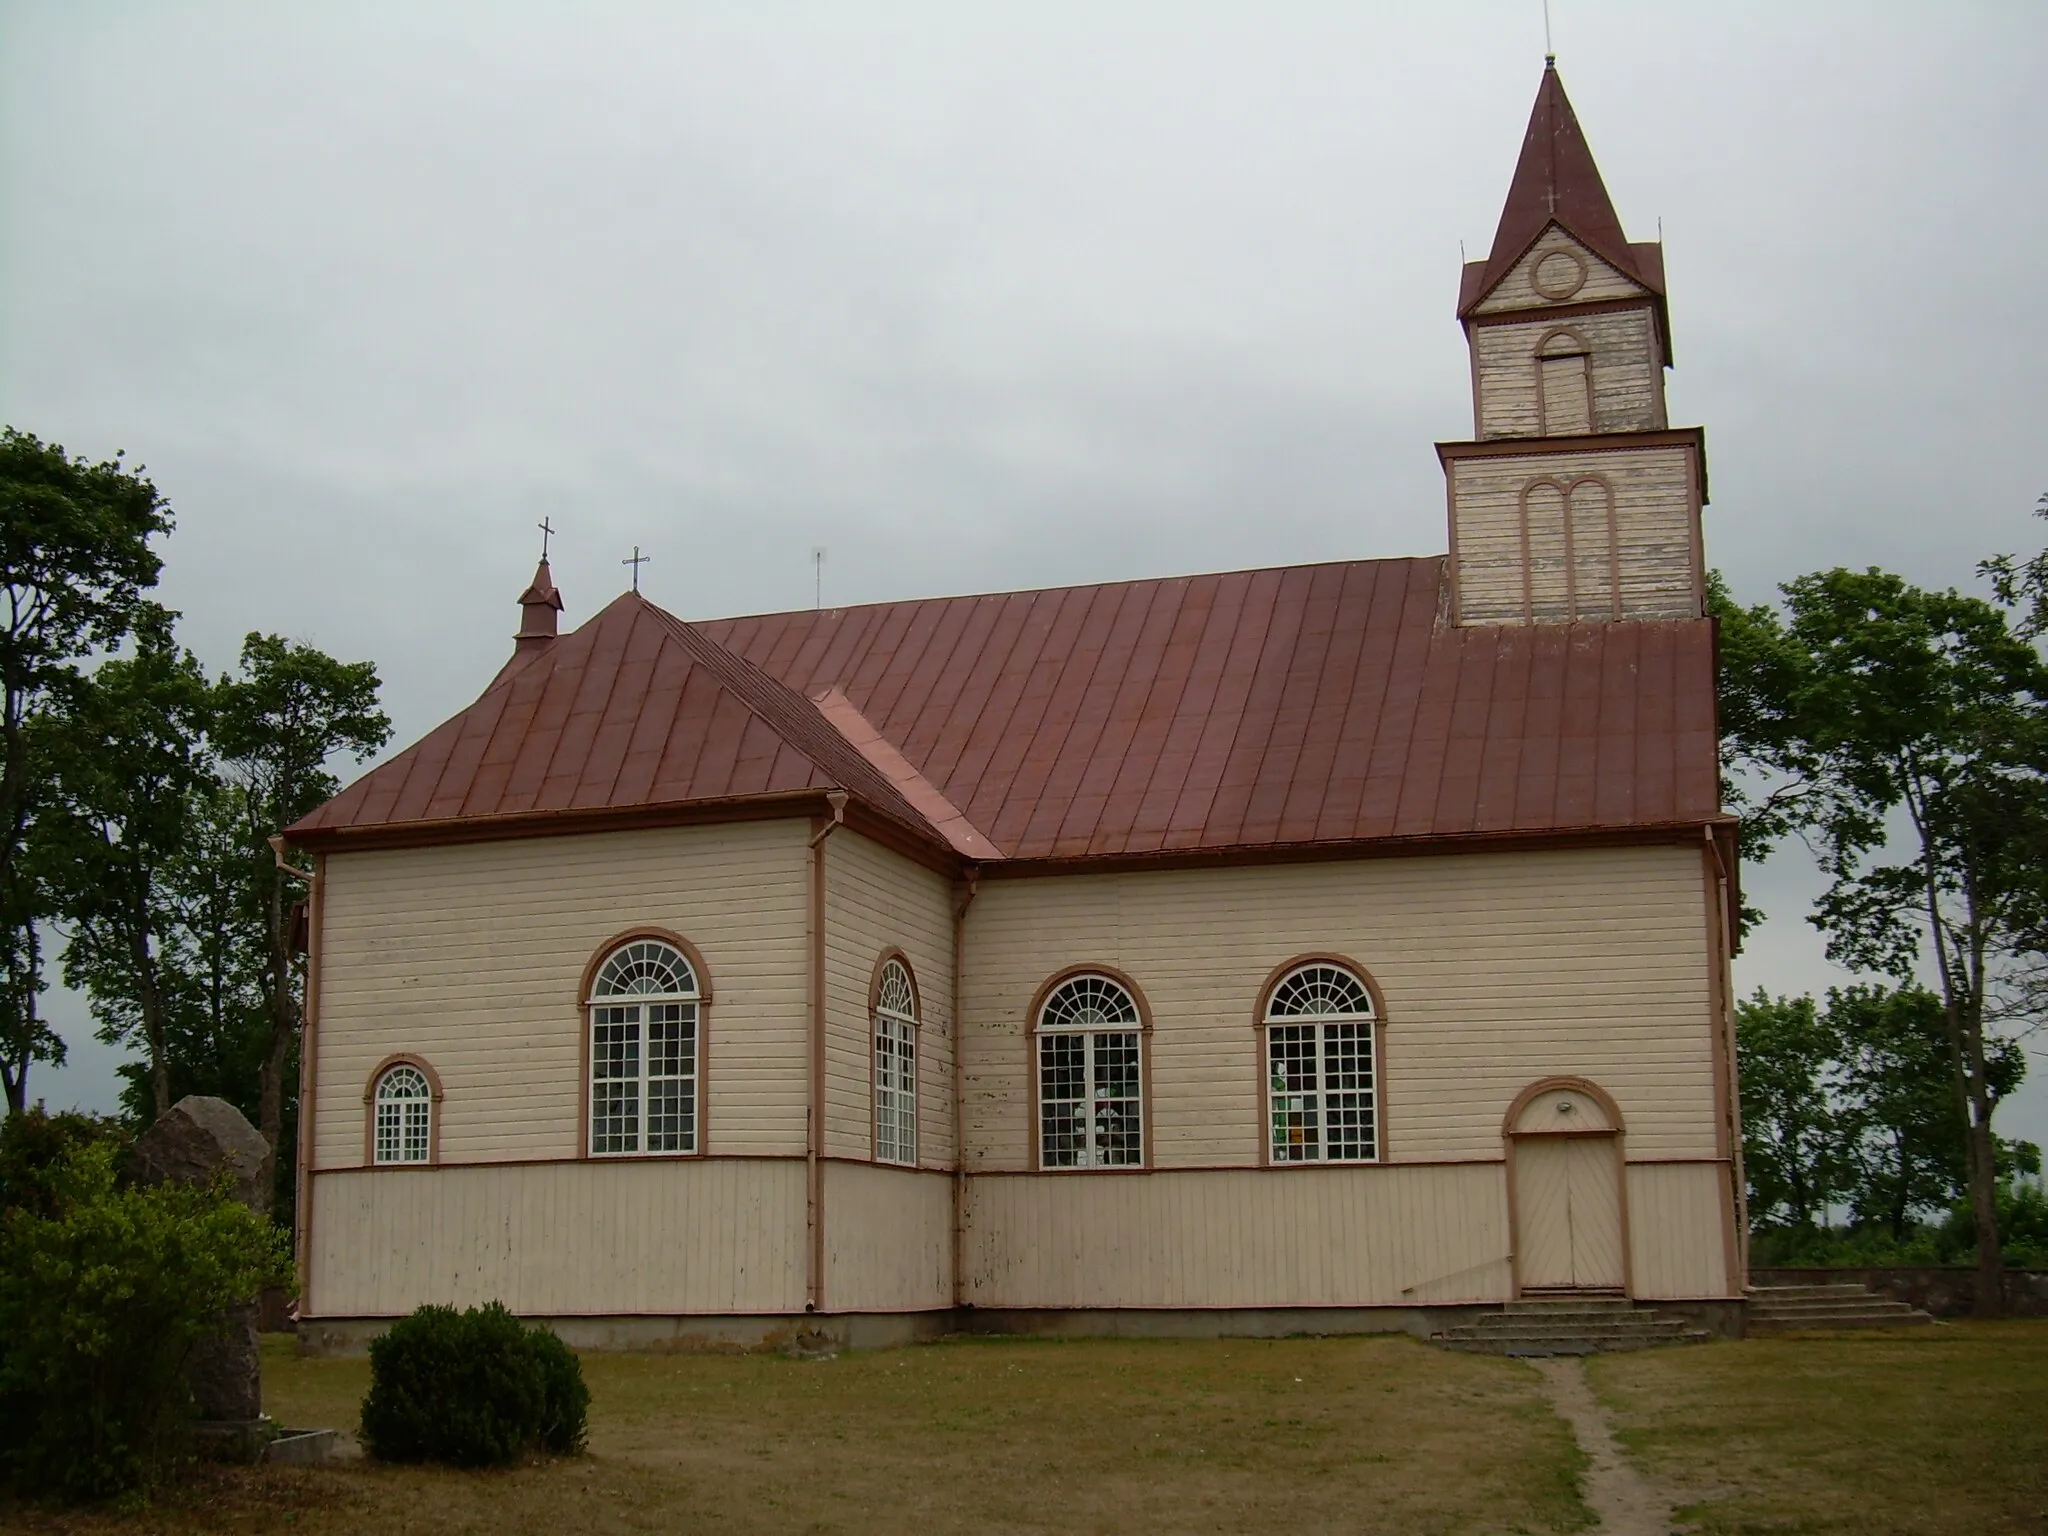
(1908, 1142)
(134, 768)
(74, 563)
(212, 959)
(1795, 1144)
(279, 721)
(1903, 733)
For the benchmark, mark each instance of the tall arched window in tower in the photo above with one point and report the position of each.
(643, 1051)
(1564, 385)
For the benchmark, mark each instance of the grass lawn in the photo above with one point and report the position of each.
(1298, 1435)
(1927, 1430)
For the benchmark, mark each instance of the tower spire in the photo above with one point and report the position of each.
(1556, 182)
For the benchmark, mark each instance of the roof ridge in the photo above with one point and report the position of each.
(1075, 586)
(797, 721)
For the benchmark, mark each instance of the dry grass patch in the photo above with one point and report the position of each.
(1928, 1431)
(1302, 1435)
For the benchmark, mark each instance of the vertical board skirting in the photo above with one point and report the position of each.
(1676, 1220)
(1296, 1237)
(655, 1235)
(888, 1238)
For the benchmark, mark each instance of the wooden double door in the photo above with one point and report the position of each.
(1567, 1192)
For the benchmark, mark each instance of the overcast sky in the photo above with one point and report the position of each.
(975, 296)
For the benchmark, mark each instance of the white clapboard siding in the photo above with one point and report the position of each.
(1518, 290)
(1297, 1237)
(656, 1236)
(472, 955)
(888, 1239)
(1656, 519)
(1679, 1215)
(876, 900)
(1497, 969)
(1628, 393)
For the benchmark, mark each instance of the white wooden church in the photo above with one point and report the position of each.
(1310, 948)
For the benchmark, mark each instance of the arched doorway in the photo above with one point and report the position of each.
(1566, 1195)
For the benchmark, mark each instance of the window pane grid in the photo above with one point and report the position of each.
(643, 1072)
(1090, 1108)
(895, 1065)
(403, 1122)
(895, 1090)
(1319, 1068)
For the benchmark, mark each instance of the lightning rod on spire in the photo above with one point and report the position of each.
(1549, 53)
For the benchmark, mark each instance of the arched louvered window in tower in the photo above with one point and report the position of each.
(1320, 1100)
(895, 1064)
(644, 1008)
(1090, 1075)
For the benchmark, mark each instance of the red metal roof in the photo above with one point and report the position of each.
(636, 708)
(1556, 182)
(1254, 709)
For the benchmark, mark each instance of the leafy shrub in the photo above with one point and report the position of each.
(33, 1148)
(565, 1400)
(473, 1389)
(103, 1292)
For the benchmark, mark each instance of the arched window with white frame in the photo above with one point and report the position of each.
(1320, 1097)
(644, 1008)
(1091, 1110)
(895, 1064)
(402, 1127)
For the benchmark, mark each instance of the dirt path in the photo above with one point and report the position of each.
(1626, 1502)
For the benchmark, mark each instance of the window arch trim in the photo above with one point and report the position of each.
(1260, 1022)
(895, 955)
(1032, 1033)
(618, 941)
(425, 1069)
(581, 1006)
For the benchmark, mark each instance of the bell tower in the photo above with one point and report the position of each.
(1575, 501)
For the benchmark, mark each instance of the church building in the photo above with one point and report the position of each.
(1310, 949)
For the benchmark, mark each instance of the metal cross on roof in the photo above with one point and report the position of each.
(636, 561)
(546, 531)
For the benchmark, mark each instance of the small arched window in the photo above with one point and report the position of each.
(643, 1051)
(1319, 1066)
(404, 1126)
(895, 1064)
(1090, 1075)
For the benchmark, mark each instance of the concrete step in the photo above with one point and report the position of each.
(1599, 1336)
(1569, 1304)
(1872, 1305)
(1541, 1345)
(1569, 1319)
(1808, 1292)
(1790, 1308)
(1761, 1325)
(1498, 1324)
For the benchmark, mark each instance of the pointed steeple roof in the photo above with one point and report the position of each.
(1556, 182)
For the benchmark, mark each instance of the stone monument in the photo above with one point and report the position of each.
(193, 1143)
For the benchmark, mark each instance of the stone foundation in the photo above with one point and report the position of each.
(802, 1333)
